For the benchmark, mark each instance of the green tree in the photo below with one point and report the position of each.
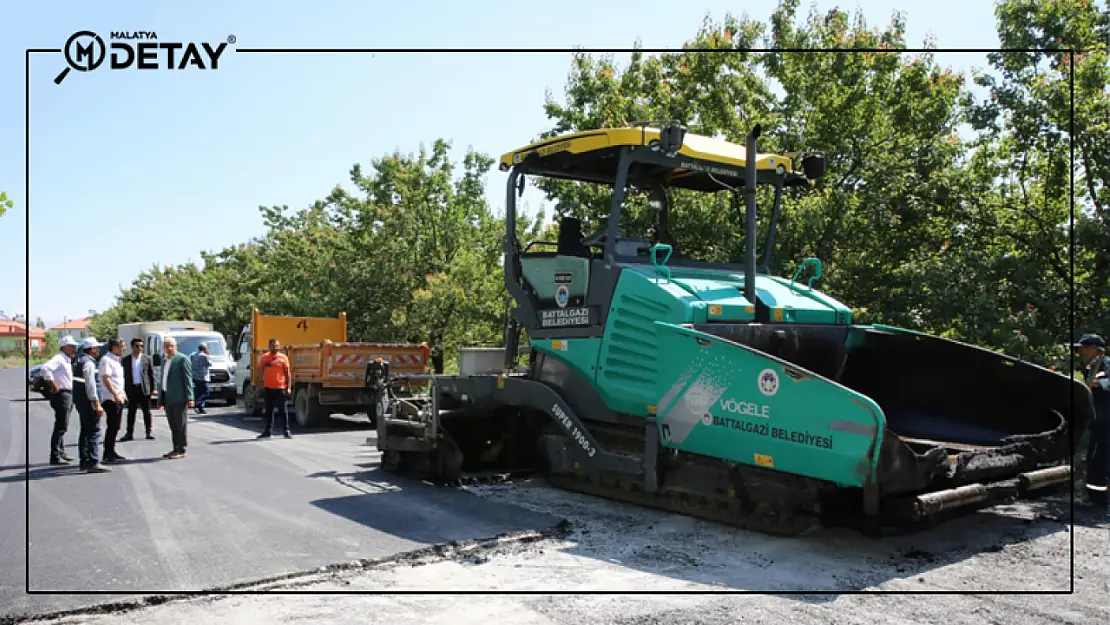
(1021, 166)
(5, 203)
(413, 256)
(886, 122)
(434, 248)
(50, 344)
(916, 227)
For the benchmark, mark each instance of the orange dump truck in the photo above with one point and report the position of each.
(330, 375)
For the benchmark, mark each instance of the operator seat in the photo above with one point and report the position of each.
(570, 238)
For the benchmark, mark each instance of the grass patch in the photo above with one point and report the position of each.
(20, 361)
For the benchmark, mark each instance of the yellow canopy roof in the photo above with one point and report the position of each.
(592, 155)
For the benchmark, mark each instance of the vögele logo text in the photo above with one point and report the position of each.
(86, 51)
(745, 408)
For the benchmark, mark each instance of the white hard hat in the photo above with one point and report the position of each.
(90, 342)
(67, 341)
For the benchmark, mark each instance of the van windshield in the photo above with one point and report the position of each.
(188, 345)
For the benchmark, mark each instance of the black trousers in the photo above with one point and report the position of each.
(200, 390)
(62, 404)
(113, 414)
(137, 399)
(275, 400)
(88, 439)
(175, 414)
(1098, 459)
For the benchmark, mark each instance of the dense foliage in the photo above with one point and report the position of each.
(916, 226)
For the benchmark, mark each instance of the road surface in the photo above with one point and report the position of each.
(622, 549)
(606, 547)
(234, 510)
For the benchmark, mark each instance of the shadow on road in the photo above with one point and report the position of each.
(45, 471)
(41, 473)
(412, 510)
(254, 424)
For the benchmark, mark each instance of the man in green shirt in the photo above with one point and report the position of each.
(176, 393)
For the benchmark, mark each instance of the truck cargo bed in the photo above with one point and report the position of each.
(343, 365)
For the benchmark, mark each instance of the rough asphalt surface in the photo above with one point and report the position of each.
(610, 547)
(619, 549)
(234, 510)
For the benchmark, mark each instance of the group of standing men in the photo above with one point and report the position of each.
(75, 379)
(101, 388)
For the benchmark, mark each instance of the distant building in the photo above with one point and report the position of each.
(77, 328)
(14, 335)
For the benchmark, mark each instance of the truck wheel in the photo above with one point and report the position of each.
(250, 402)
(307, 409)
(230, 397)
(378, 408)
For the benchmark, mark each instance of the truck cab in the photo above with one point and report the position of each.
(243, 361)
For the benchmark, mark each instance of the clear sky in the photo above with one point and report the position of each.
(131, 169)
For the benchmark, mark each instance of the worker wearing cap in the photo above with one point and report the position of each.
(86, 398)
(58, 375)
(1096, 365)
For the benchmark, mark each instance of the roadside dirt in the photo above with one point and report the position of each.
(616, 548)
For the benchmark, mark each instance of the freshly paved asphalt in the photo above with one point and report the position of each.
(234, 510)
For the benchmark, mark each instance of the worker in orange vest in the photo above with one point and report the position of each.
(276, 387)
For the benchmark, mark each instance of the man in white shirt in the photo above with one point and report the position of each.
(112, 393)
(58, 375)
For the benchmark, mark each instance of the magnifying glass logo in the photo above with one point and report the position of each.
(85, 51)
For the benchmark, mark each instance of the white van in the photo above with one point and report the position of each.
(189, 335)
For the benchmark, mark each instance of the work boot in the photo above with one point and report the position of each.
(265, 434)
(149, 436)
(126, 437)
(97, 468)
(60, 461)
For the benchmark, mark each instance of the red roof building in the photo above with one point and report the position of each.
(77, 328)
(15, 335)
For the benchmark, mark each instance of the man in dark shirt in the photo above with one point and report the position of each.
(1096, 368)
(138, 379)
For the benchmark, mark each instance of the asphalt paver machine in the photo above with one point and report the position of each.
(719, 390)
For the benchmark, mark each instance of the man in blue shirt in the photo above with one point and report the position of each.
(201, 362)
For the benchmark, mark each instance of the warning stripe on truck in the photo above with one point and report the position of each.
(394, 360)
